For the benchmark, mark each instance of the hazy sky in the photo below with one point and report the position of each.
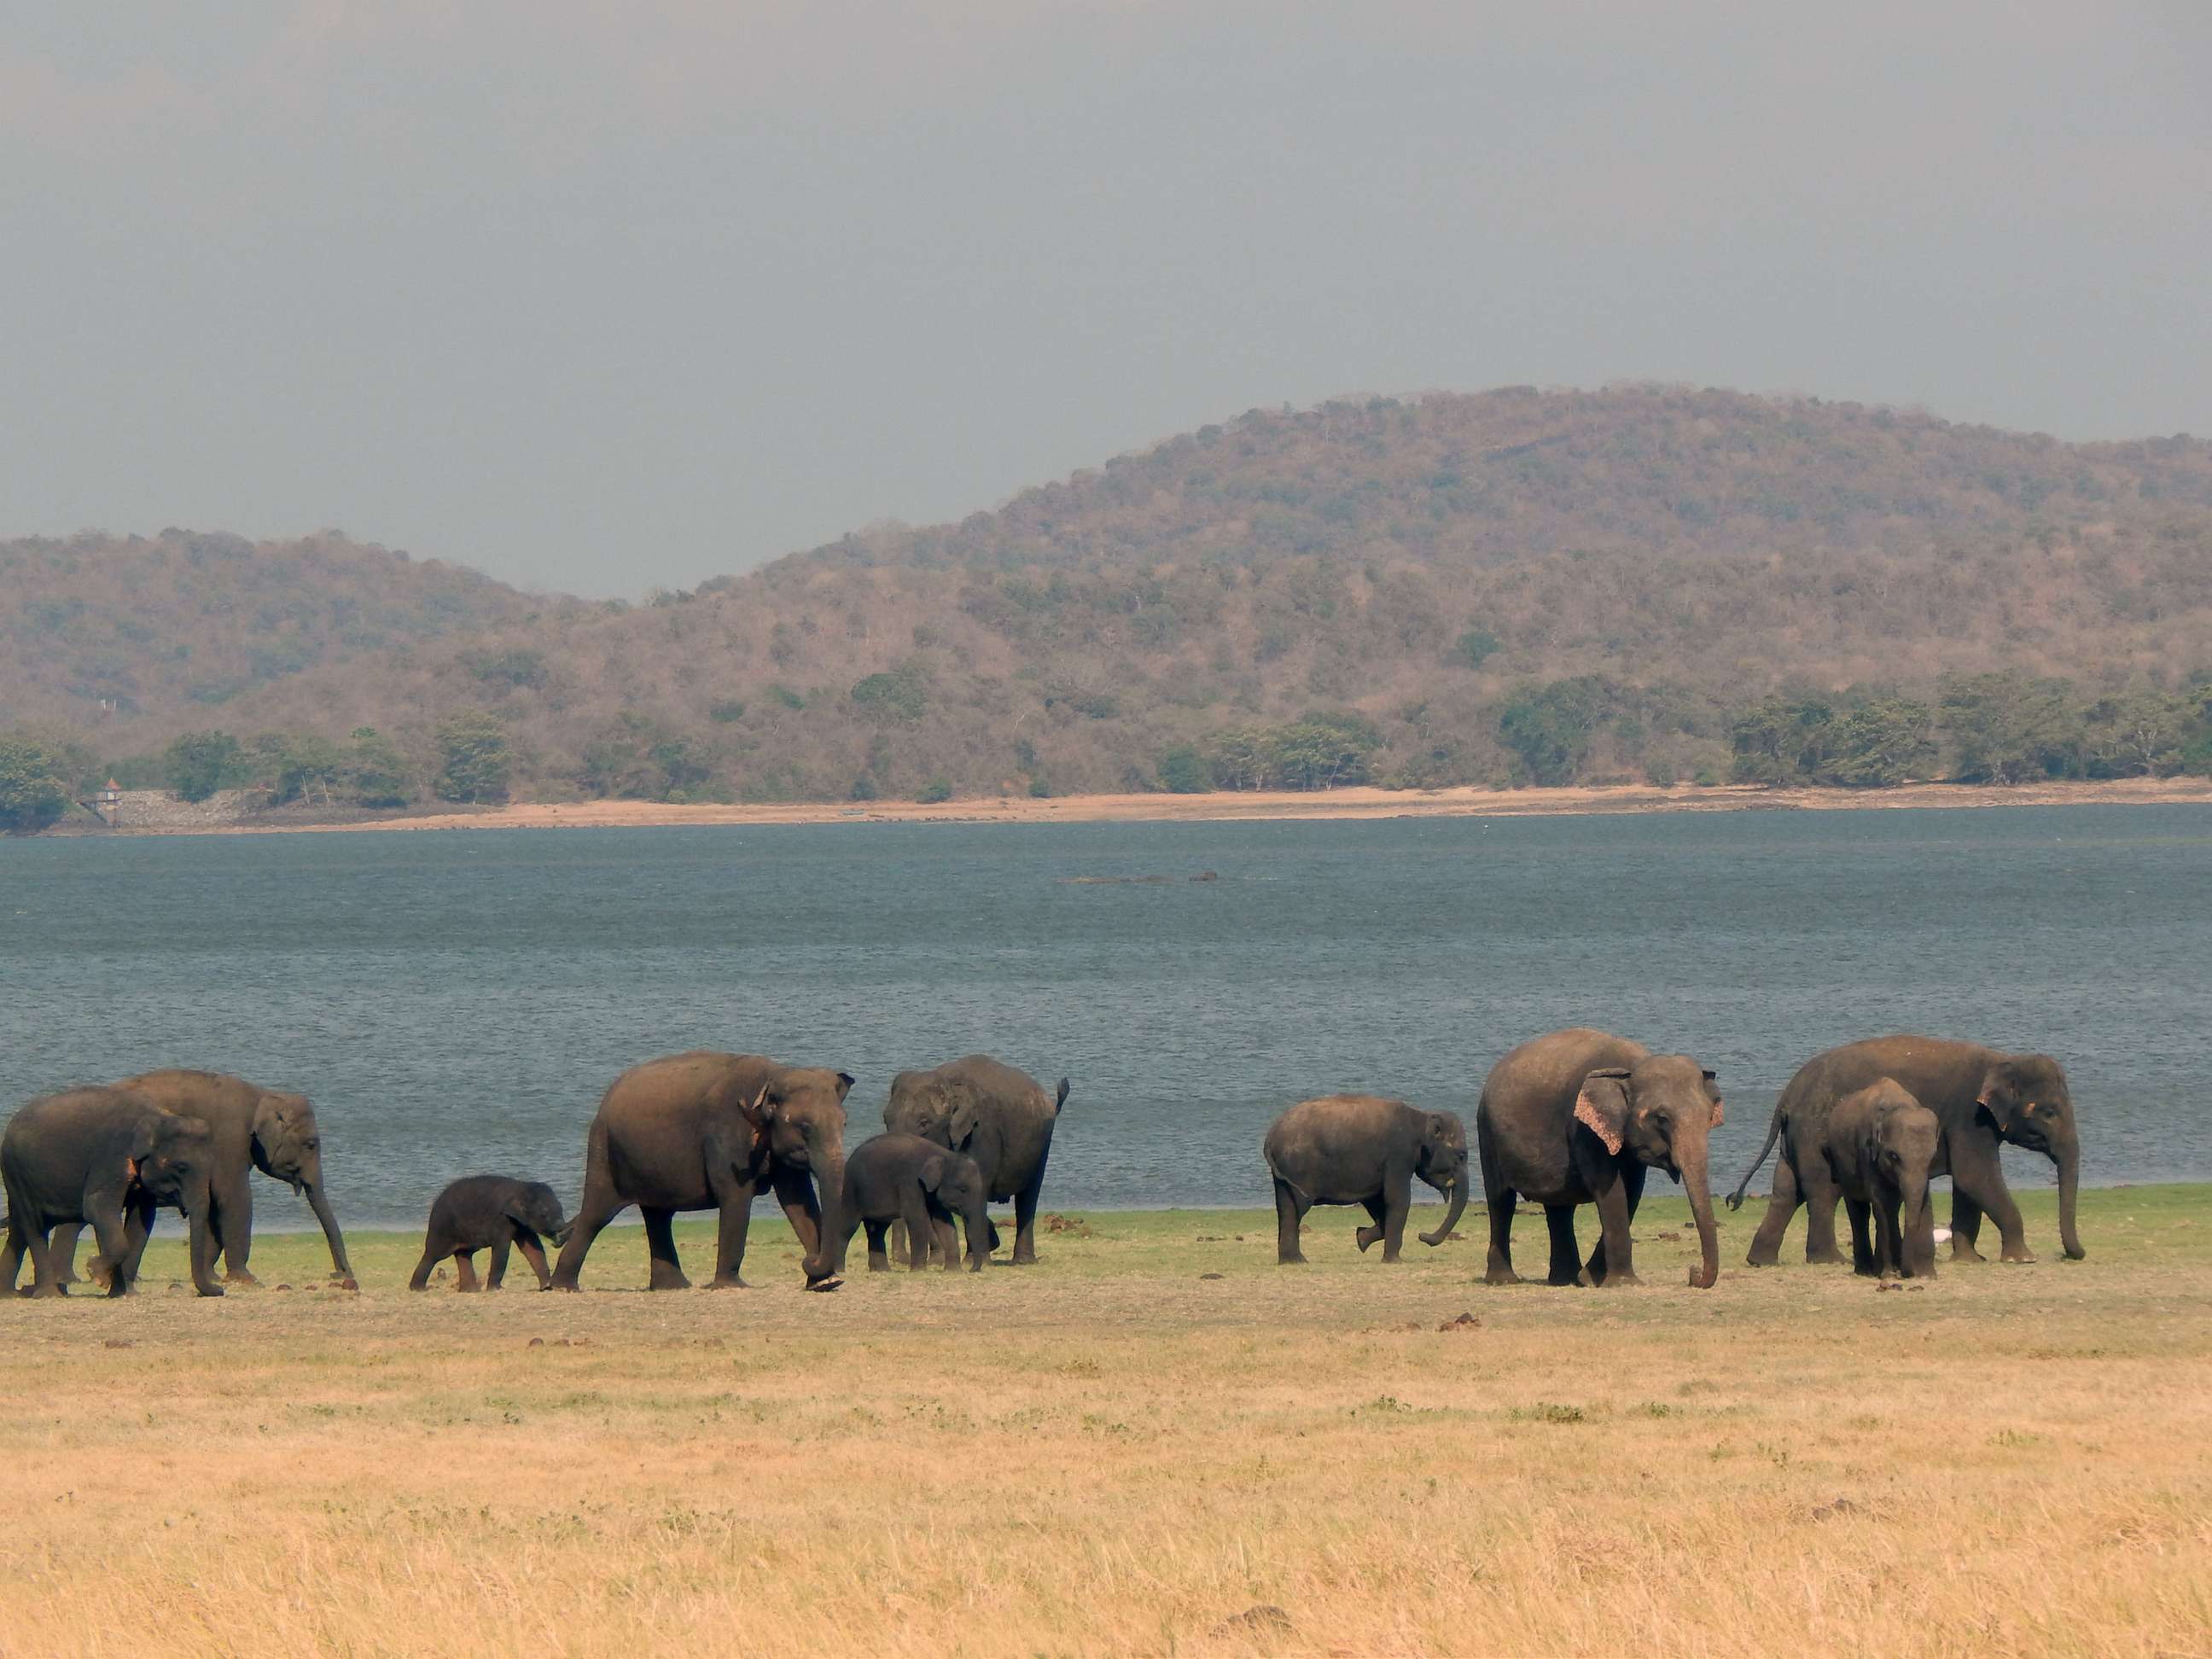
(600, 296)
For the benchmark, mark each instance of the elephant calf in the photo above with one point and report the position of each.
(490, 1212)
(906, 1178)
(1357, 1149)
(1879, 1146)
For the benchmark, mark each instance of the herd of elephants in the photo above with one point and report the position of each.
(1573, 1117)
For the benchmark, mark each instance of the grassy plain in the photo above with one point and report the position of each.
(1119, 1451)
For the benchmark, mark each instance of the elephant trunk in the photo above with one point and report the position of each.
(1916, 1235)
(1458, 1195)
(2067, 1155)
(828, 1258)
(1698, 1186)
(318, 1201)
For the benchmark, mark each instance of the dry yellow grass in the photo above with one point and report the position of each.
(1110, 1453)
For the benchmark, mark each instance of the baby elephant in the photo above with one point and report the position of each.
(906, 1178)
(490, 1211)
(1356, 1149)
(1880, 1144)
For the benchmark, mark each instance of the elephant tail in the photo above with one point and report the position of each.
(1773, 1134)
(1060, 1099)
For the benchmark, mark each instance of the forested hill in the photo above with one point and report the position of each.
(1519, 585)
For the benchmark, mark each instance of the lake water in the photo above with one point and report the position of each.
(457, 1001)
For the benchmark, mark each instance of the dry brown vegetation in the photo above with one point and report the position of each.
(1678, 554)
(1115, 1452)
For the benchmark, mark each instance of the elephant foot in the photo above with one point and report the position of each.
(1366, 1236)
(1501, 1276)
(823, 1286)
(240, 1276)
(2023, 1253)
(1392, 1256)
(670, 1280)
(1020, 1260)
(1966, 1253)
(2077, 1253)
(1294, 1260)
(1612, 1279)
(729, 1282)
(1823, 1258)
(571, 1287)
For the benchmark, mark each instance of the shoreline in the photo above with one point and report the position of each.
(1362, 803)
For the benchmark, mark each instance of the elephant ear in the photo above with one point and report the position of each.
(932, 1172)
(960, 1116)
(2000, 1098)
(1713, 1094)
(844, 1085)
(760, 1111)
(1602, 1106)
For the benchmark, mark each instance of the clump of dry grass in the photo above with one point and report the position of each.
(1109, 1453)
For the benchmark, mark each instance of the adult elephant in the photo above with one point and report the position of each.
(255, 1128)
(1359, 1149)
(107, 1157)
(705, 1131)
(998, 1116)
(1578, 1117)
(1981, 1097)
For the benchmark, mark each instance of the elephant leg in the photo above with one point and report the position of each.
(733, 1197)
(918, 1231)
(1781, 1211)
(1821, 1197)
(599, 1204)
(1025, 1209)
(946, 1243)
(1377, 1213)
(44, 1279)
(64, 1251)
(1291, 1208)
(233, 1221)
(1632, 1183)
(1978, 1177)
(11, 1259)
(1966, 1226)
(1566, 1257)
(499, 1251)
(465, 1269)
(111, 1228)
(1613, 1260)
(1866, 1260)
(879, 1261)
(431, 1256)
(137, 1228)
(1398, 1203)
(660, 1244)
(1499, 1269)
(533, 1252)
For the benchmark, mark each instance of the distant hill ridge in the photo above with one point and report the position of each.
(1515, 585)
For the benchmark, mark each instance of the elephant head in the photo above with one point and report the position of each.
(535, 1206)
(288, 1144)
(940, 1110)
(2025, 1096)
(958, 1184)
(1899, 1143)
(1442, 1162)
(1661, 1112)
(799, 1113)
(172, 1159)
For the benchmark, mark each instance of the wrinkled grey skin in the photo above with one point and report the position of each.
(707, 1131)
(1881, 1143)
(998, 1116)
(1579, 1116)
(1980, 1097)
(905, 1178)
(254, 1128)
(109, 1158)
(1360, 1149)
(489, 1213)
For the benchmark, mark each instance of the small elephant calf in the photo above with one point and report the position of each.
(1878, 1148)
(905, 1178)
(490, 1211)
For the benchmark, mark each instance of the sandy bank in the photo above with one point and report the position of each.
(1338, 804)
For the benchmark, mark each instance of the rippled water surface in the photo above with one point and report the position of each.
(457, 1001)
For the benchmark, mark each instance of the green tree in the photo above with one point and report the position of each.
(2141, 735)
(474, 761)
(375, 771)
(35, 785)
(2007, 728)
(1183, 771)
(200, 763)
(901, 695)
(1324, 751)
(1781, 740)
(1473, 648)
(1882, 743)
(937, 789)
(298, 765)
(1549, 726)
